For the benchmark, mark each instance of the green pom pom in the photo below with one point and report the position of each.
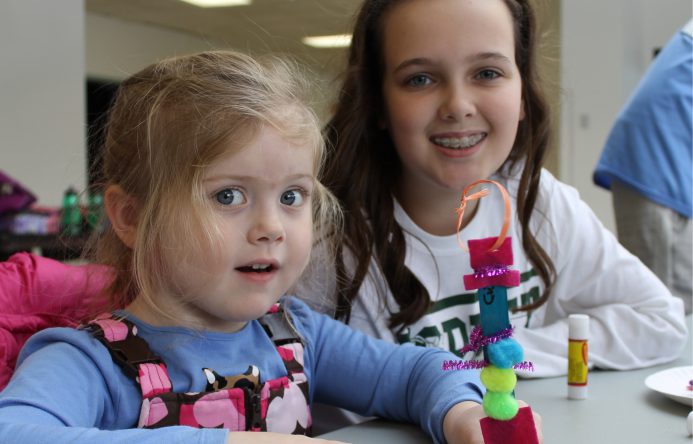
(501, 406)
(498, 379)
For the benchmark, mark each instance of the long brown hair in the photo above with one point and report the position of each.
(363, 166)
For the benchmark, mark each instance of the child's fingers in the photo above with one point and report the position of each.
(537, 421)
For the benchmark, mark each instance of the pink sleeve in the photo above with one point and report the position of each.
(37, 293)
(35, 284)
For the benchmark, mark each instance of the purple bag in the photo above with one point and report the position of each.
(13, 196)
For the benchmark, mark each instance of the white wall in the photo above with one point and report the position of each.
(48, 48)
(606, 48)
(117, 48)
(42, 127)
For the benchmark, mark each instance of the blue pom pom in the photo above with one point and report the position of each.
(505, 353)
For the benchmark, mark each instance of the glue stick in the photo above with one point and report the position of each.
(578, 334)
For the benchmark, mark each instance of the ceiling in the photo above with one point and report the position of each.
(265, 25)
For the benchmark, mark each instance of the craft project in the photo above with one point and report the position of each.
(491, 259)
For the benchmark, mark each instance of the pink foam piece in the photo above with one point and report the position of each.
(481, 257)
(511, 278)
(519, 430)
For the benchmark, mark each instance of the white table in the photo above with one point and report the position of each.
(619, 409)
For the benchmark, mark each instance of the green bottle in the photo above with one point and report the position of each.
(71, 220)
(95, 210)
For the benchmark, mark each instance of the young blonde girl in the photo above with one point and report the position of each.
(211, 163)
(437, 95)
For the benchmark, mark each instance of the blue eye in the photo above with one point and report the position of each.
(418, 80)
(230, 196)
(291, 198)
(488, 74)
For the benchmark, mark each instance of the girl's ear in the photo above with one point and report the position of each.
(522, 109)
(122, 212)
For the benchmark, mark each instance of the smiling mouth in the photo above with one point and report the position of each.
(459, 143)
(257, 268)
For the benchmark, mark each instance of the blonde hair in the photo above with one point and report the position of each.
(167, 123)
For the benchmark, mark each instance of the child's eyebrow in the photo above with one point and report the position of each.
(482, 56)
(497, 56)
(413, 62)
(291, 177)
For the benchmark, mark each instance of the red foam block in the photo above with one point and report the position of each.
(481, 254)
(490, 266)
(519, 430)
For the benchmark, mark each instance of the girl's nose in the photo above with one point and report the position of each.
(267, 227)
(457, 104)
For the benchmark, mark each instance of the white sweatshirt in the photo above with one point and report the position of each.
(635, 321)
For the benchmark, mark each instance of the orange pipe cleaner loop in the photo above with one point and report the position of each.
(478, 195)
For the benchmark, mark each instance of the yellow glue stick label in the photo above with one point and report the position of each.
(577, 362)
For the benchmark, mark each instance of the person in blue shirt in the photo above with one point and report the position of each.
(211, 164)
(646, 163)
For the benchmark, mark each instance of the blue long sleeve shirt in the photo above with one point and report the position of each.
(650, 145)
(67, 389)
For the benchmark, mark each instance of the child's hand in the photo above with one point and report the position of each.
(273, 438)
(461, 424)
